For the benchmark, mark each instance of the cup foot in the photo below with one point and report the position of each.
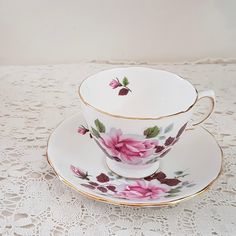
(132, 171)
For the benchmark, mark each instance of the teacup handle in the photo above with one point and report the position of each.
(208, 94)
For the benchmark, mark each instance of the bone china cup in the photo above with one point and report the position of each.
(137, 114)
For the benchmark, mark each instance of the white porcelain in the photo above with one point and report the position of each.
(188, 170)
(137, 114)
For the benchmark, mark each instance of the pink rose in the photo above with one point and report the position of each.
(126, 148)
(142, 189)
(82, 130)
(115, 83)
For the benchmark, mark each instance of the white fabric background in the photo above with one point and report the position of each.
(34, 202)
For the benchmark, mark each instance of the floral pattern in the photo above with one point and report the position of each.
(147, 148)
(150, 188)
(82, 130)
(144, 190)
(127, 149)
(124, 90)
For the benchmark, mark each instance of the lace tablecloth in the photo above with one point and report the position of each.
(34, 202)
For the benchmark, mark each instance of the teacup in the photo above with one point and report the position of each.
(137, 114)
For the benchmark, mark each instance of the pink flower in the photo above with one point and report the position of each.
(82, 130)
(115, 83)
(144, 190)
(79, 173)
(126, 148)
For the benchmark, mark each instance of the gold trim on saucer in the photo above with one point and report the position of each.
(120, 203)
(131, 117)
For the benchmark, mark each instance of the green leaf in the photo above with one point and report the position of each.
(171, 195)
(190, 185)
(179, 172)
(95, 133)
(179, 187)
(174, 190)
(182, 176)
(125, 81)
(151, 132)
(169, 128)
(100, 126)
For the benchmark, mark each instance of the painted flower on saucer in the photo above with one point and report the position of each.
(150, 188)
(144, 190)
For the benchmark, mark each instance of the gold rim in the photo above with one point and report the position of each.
(131, 117)
(212, 109)
(101, 199)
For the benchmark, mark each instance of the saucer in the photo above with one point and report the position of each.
(193, 164)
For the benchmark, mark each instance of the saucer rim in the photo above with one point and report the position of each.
(119, 203)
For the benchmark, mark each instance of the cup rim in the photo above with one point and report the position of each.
(133, 117)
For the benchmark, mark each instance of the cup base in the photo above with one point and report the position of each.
(132, 171)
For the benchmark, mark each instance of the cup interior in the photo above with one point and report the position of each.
(151, 93)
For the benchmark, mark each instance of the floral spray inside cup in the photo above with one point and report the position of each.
(137, 114)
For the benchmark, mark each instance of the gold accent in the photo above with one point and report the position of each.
(135, 118)
(101, 199)
(212, 109)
